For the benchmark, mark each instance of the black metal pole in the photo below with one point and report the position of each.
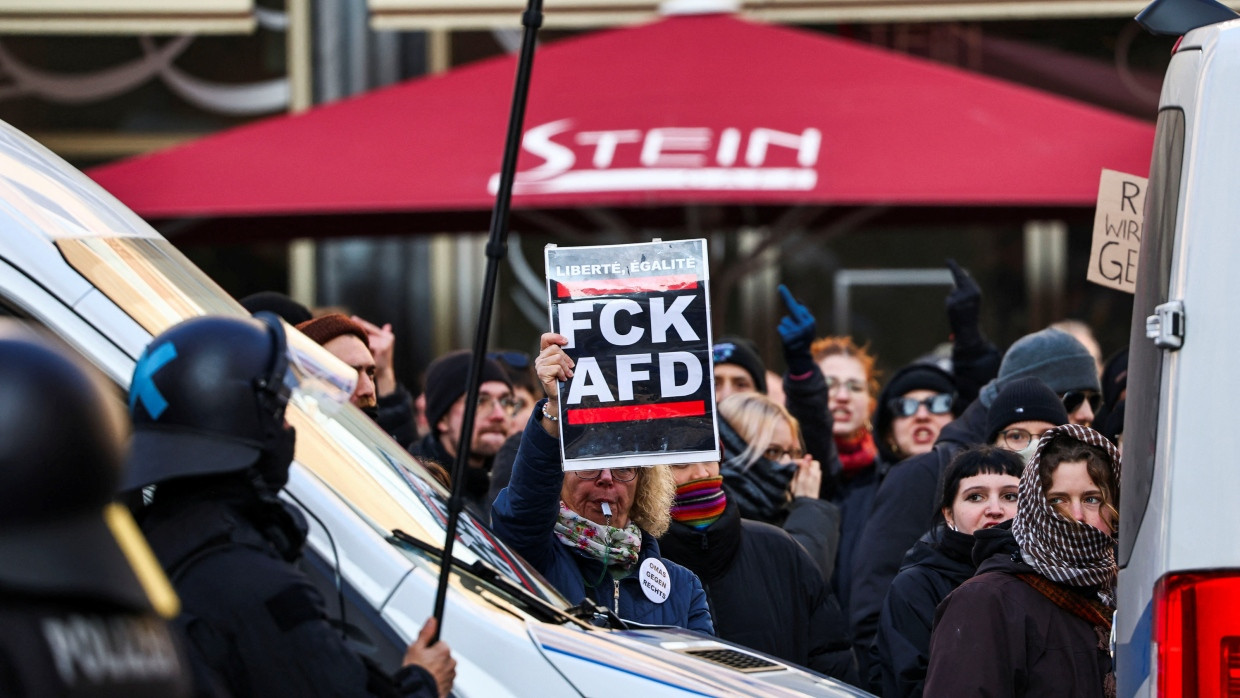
(497, 248)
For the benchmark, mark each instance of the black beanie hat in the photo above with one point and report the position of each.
(1023, 400)
(446, 378)
(742, 352)
(920, 377)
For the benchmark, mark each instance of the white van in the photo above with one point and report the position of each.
(1177, 626)
(77, 262)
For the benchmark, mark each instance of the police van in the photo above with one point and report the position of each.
(77, 262)
(1177, 629)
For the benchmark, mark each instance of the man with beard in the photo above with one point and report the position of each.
(377, 393)
(445, 411)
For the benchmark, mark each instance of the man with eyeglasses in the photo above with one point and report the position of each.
(445, 411)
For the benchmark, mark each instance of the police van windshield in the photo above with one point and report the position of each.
(157, 286)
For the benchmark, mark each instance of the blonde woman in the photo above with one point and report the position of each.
(589, 531)
(772, 479)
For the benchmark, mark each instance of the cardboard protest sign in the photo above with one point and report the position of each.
(1118, 223)
(637, 318)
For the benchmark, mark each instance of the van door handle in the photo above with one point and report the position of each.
(1166, 325)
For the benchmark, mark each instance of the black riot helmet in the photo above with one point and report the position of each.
(62, 445)
(208, 397)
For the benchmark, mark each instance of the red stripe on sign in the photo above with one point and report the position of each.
(634, 413)
(608, 287)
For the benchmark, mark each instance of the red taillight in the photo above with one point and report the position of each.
(1197, 633)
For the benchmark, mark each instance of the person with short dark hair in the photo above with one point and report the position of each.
(1036, 619)
(979, 492)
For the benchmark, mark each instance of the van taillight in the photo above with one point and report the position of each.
(1197, 634)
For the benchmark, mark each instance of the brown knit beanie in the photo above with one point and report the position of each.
(324, 329)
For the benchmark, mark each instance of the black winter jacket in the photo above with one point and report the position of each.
(249, 614)
(806, 398)
(394, 414)
(938, 563)
(765, 592)
(996, 635)
(903, 511)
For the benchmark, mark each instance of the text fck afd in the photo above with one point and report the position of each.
(589, 379)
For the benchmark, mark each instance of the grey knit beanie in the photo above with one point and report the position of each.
(1054, 356)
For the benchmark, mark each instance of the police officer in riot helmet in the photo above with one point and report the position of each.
(211, 450)
(80, 612)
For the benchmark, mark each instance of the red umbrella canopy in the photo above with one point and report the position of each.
(696, 109)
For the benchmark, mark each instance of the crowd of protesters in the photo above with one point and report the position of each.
(947, 531)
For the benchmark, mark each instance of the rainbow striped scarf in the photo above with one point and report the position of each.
(699, 503)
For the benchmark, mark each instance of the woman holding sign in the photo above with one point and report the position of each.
(592, 533)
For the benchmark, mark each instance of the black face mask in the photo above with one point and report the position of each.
(273, 464)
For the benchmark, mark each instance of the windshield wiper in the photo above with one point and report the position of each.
(536, 606)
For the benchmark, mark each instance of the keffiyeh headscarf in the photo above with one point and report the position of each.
(1065, 551)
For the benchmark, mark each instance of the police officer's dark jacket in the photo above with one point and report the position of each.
(248, 612)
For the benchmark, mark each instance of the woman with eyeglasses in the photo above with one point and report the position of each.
(979, 492)
(590, 532)
(915, 405)
(1036, 619)
(771, 477)
(765, 591)
(851, 382)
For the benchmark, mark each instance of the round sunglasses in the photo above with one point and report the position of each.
(939, 403)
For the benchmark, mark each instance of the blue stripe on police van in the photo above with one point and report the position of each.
(566, 653)
(1133, 672)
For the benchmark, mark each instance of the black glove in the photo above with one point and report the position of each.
(796, 331)
(964, 306)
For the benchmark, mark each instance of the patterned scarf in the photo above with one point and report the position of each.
(699, 503)
(1062, 550)
(759, 489)
(614, 547)
(857, 451)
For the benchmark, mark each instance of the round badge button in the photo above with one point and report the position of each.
(656, 582)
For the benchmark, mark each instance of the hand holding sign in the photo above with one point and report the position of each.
(552, 367)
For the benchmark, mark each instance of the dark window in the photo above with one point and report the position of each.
(1145, 361)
